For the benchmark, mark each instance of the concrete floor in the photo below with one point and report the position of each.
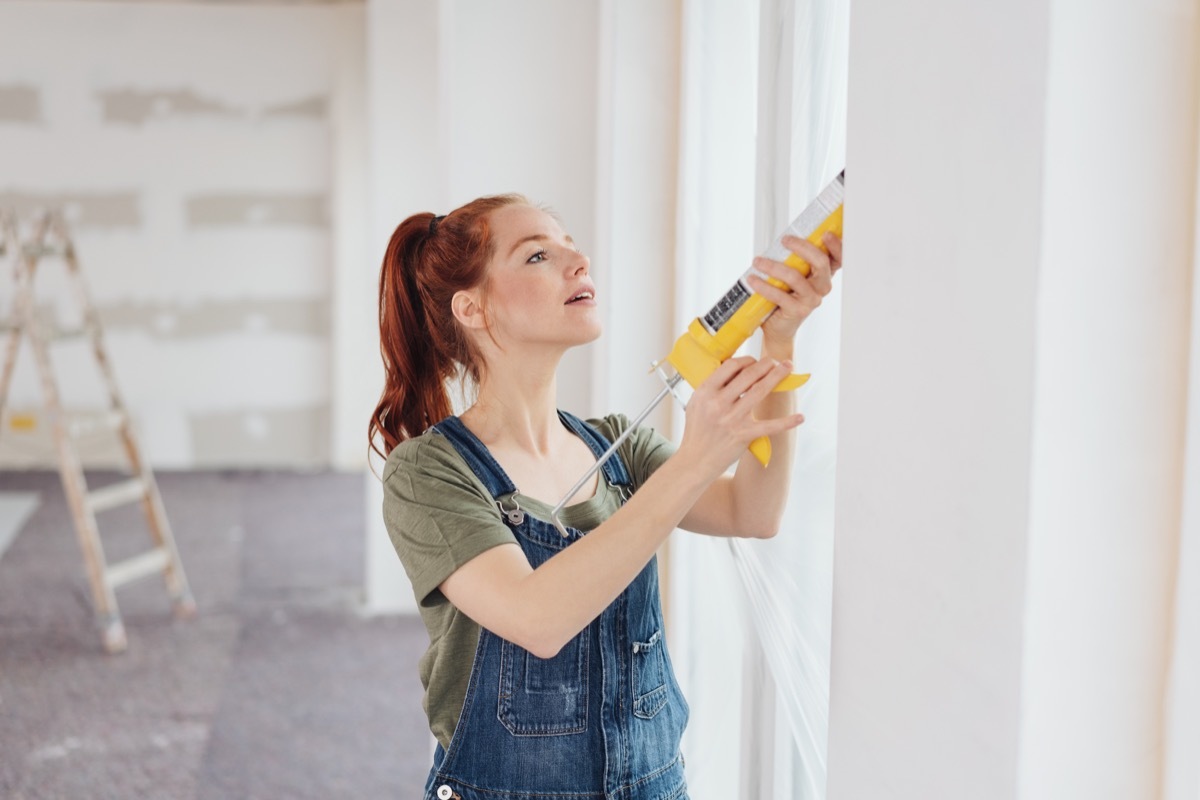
(278, 688)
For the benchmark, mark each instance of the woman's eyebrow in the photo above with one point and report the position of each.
(537, 237)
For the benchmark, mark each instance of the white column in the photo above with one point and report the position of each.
(943, 186)
(1111, 381)
(354, 334)
(407, 173)
(1020, 218)
(1181, 780)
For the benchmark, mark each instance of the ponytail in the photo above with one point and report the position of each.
(428, 260)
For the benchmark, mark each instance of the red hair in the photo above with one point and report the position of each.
(422, 344)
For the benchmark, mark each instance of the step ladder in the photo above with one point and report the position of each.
(49, 238)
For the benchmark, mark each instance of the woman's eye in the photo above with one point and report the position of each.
(537, 257)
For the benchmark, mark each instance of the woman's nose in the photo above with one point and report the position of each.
(580, 265)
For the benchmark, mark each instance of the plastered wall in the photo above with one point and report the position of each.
(192, 146)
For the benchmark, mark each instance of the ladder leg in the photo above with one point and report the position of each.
(156, 517)
(108, 615)
(74, 484)
(10, 363)
(14, 334)
(160, 530)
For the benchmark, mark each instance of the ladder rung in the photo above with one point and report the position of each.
(43, 251)
(61, 334)
(131, 569)
(82, 424)
(117, 494)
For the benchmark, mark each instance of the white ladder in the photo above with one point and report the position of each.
(49, 238)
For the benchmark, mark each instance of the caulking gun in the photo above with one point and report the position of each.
(712, 339)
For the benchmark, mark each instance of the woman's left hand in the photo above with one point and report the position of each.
(805, 293)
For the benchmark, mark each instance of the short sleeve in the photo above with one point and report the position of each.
(437, 513)
(643, 452)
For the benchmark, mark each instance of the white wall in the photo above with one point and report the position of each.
(196, 145)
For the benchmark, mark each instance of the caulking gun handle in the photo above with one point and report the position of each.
(793, 381)
(761, 448)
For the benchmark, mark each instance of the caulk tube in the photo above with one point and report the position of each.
(820, 216)
(714, 337)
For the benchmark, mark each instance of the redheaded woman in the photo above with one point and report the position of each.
(547, 673)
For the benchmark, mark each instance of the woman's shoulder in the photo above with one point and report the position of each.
(610, 426)
(613, 425)
(426, 473)
(643, 452)
(423, 453)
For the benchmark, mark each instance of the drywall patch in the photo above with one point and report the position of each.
(315, 107)
(137, 107)
(169, 321)
(20, 103)
(225, 210)
(84, 209)
(262, 437)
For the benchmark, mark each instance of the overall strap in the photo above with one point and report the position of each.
(473, 451)
(614, 469)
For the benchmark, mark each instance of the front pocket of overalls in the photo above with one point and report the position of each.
(544, 696)
(649, 677)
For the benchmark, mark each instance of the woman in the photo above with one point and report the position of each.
(547, 673)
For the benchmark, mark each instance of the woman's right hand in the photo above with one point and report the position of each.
(720, 422)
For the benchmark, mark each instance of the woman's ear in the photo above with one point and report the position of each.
(468, 310)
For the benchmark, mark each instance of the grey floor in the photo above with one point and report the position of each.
(279, 688)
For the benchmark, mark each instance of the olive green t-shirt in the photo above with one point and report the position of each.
(439, 516)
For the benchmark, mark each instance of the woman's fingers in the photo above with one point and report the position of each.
(770, 427)
(755, 374)
(764, 384)
(727, 371)
(833, 243)
(749, 379)
(799, 303)
(818, 282)
(720, 415)
(819, 261)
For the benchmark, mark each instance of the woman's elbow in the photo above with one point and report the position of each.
(545, 649)
(764, 530)
(542, 643)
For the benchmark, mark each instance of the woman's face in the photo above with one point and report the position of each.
(539, 291)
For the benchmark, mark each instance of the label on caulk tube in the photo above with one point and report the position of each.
(802, 227)
(727, 306)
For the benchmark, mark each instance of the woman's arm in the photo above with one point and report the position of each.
(751, 502)
(542, 609)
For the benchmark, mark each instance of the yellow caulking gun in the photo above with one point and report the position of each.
(712, 339)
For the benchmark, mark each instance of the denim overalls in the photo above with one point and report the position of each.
(602, 719)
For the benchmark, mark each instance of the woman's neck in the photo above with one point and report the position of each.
(517, 408)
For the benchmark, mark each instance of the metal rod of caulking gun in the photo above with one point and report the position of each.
(672, 382)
